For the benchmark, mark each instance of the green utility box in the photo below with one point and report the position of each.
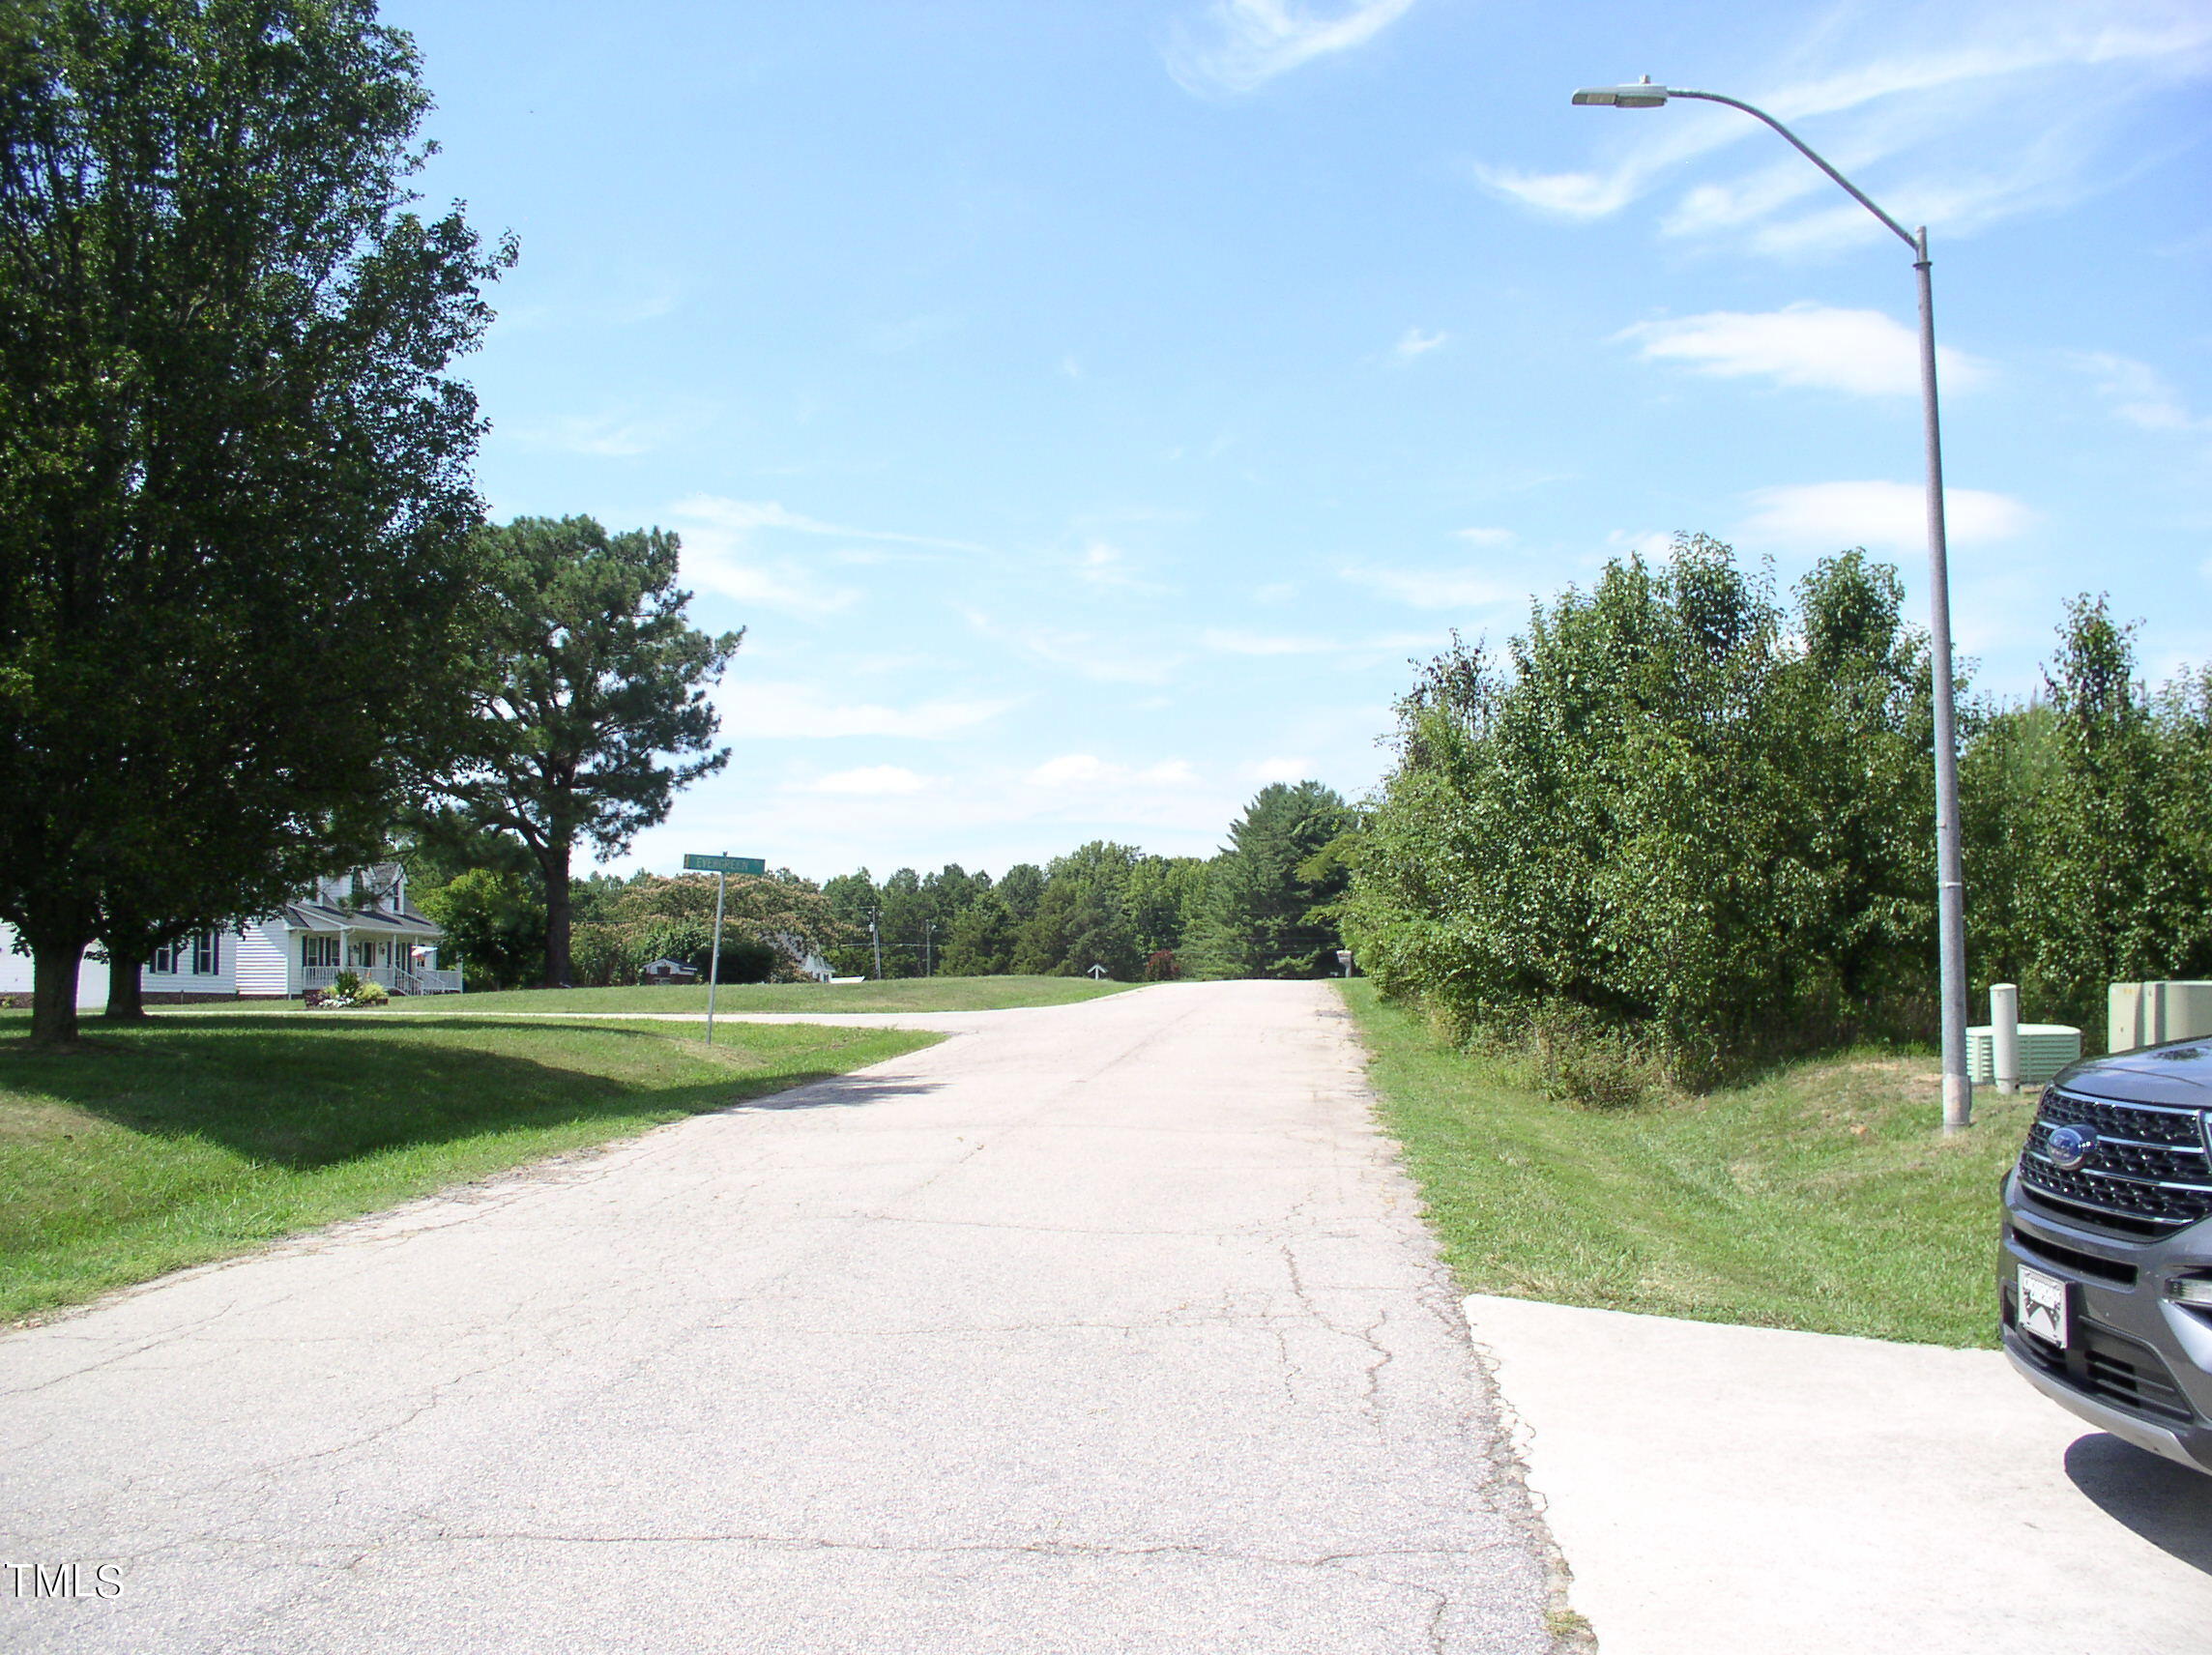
(2044, 1048)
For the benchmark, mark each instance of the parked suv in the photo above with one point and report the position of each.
(2105, 1278)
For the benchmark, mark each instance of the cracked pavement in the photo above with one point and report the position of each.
(1096, 1328)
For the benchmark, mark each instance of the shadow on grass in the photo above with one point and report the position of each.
(303, 1094)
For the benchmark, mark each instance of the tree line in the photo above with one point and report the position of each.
(1691, 815)
(1264, 906)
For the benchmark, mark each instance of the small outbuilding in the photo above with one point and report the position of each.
(666, 970)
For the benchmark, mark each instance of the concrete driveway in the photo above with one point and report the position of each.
(1105, 1328)
(1719, 1488)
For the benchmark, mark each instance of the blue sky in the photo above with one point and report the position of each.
(1088, 408)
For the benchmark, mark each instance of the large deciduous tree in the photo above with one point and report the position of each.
(588, 674)
(235, 502)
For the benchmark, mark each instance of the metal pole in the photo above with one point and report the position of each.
(1950, 863)
(715, 959)
(876, 937)
(1950, 860)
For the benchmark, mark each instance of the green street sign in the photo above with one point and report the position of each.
(724, 865)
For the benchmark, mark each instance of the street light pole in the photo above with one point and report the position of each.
(1950, 863)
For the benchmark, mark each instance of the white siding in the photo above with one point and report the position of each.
(224, 979)
(267, 960)
(15, 974)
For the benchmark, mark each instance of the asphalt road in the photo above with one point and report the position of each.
(1097, 1328)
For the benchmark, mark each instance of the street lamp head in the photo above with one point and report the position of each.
(1642, 95)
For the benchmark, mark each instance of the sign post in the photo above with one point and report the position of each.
(722, 867)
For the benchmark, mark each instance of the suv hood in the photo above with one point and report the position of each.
(2179, 1074)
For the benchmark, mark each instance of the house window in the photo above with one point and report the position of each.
(164, 960)
(207, 954)
(318, 950)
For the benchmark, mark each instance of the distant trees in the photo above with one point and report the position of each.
(1083, 920)
(1269, 907)
(769, 923)
(1102, 904)
(2088, 828)
(234, 476)
(587, 673)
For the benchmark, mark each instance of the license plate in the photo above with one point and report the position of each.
(2042, 1306)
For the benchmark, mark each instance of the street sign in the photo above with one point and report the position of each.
(725, 865)
(722, 867)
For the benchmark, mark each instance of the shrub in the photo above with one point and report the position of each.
(346, 985)
(372, 993)
(1691, 818)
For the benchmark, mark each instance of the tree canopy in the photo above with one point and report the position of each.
(587, 674)
(235, 497)
(1679, 805)
(1266, 913)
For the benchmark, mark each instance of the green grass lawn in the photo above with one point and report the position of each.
(1822, 1197)
(899, 994)
(192, 1137)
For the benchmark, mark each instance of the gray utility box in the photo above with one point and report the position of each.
(2152, 1014)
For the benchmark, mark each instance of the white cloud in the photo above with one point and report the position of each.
(1107, 660)
(1889, 515)
(2038, 88)
(619, 433)
(791, 712)
(1864, 352)
(1228, 641)
(1245, 43)
(1412, 342)
(1102, 565)
(1485, 536)
(892, 338)
(1086, 770)
(870, 780)
(746, 516)
(2139, 395)
(1265, 771)
(722, 552)
(1641, 543)
(1564, 194)
(1438, 589)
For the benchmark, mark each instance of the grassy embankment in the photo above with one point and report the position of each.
(1821, 1197)
(898, 993)
(194, 1136)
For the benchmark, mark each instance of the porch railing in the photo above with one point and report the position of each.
(397, 979)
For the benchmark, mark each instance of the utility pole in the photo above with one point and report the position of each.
(1950, 864)
(876, 938)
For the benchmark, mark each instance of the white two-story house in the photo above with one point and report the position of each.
(362, 921)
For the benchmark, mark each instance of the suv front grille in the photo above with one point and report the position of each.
(2111, 1368)
(2147, 1176)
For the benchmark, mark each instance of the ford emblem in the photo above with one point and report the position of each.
(2070, 1147)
